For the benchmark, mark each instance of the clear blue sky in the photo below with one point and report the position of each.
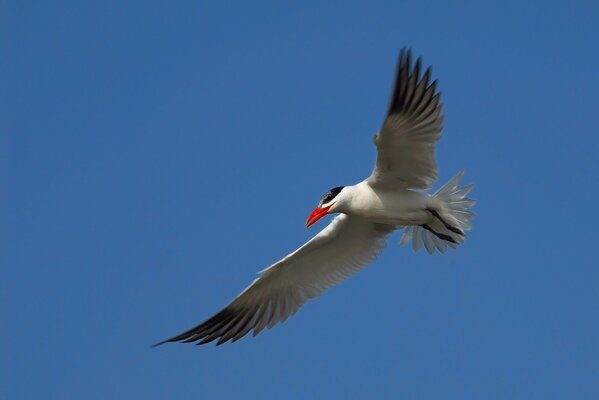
(155, 155)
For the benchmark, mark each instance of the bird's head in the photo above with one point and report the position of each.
(327, 204)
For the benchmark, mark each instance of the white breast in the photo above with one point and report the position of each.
(393, 207)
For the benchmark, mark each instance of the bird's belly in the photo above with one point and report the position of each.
(403, 217)
(404, 208)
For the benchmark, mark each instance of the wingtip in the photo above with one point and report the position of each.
(405, 56)
(169, 340)
(159, 343)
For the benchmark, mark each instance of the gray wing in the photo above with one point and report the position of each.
(346, 245)
(412, 127)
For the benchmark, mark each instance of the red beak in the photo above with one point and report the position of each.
(317, 214)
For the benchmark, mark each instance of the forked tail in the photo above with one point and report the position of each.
(449, 223)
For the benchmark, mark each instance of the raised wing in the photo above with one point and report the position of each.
(406, 142)
(347, 244)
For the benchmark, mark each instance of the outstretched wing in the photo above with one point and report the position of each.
(412, 127)
(347, 244)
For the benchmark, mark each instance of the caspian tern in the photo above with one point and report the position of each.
(392, 197)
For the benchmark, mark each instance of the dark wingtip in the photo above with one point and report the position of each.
(405, 56)
(405, 53)
(160, 343)
(406, 72)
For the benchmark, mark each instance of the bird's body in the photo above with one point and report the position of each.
(392, 197)
(393, 207)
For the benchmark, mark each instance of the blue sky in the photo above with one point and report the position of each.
(155, 155)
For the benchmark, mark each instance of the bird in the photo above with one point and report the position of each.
(395, 196)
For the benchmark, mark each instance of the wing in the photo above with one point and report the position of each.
(343, 247)
(406, 142)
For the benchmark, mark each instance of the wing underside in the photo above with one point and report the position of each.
(346, 245)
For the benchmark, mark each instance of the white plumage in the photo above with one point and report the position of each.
(368, 212)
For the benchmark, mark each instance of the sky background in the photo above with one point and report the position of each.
(155, 155)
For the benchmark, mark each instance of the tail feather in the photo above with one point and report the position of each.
(456, 212)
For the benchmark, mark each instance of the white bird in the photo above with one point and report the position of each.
(392, 197)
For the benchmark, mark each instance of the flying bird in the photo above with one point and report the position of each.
(394, 196)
